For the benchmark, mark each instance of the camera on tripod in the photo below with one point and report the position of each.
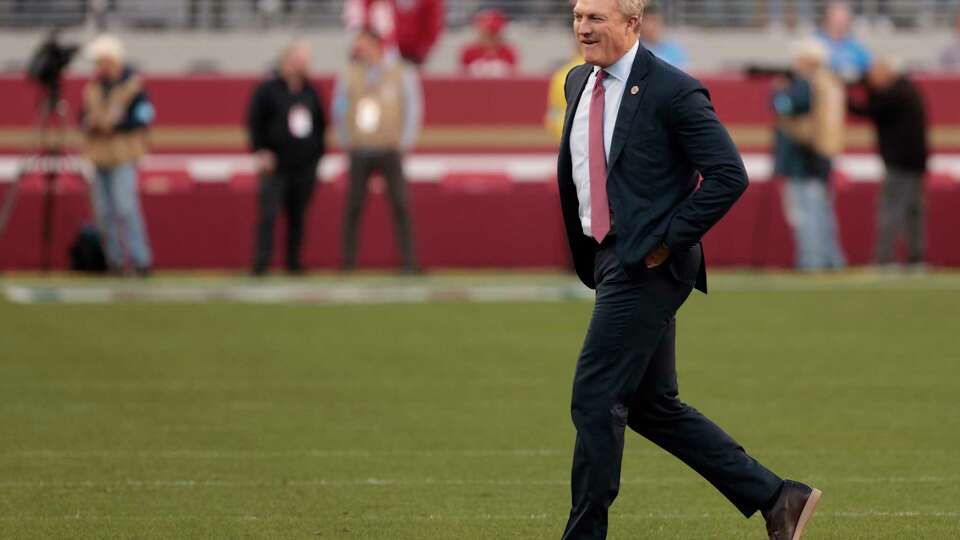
(47, 66)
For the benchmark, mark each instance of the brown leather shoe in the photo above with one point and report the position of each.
(789, 516)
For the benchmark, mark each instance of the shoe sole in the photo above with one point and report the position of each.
(807, 513)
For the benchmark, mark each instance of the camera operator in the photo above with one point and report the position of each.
(810, 111)
(116, 114)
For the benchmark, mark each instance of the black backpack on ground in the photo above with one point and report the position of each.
(86, 253)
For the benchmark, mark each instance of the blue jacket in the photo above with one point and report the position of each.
(849, 58)
(114, 119)
(790, 158)
(666, 137)
(140, 113)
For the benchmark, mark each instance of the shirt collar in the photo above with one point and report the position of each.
(621, 69)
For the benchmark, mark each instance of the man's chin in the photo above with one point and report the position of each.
(596, 58)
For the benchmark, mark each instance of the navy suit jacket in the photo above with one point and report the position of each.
(666, 138)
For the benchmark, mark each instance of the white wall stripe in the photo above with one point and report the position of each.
(431, 168)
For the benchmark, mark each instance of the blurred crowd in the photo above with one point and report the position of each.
(377, 112)
(224, 14)
(832, 75)
(376, 115)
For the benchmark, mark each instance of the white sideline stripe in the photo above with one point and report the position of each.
(866, 514)
(316, 293)
(379, 482)
(342, 293)
(431, 168)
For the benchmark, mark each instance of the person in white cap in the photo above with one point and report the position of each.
(116, 115)
(810, 133)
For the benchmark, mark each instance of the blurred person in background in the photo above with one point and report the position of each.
(419, 26)
(378, 110)
(287, 128)
(810, 133)
(379, 16)
(896, 108)
(950, 56)
(115, 116)
(652, 36)
(410, 28)
(556, 100)
(848, 57)
(490, 56)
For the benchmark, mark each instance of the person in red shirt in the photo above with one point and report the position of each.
(410, 27)
(419, 25)
(490, 56)
(377, 15)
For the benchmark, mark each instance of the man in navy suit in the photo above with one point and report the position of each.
(638, 136)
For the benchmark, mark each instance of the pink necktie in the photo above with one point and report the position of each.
(599, 207)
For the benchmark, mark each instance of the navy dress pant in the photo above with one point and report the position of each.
(626, 376)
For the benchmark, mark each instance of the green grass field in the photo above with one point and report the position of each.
(449, 420)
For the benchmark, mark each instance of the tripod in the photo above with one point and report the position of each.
(51, 160)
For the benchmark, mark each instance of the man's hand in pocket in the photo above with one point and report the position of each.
(657, 257)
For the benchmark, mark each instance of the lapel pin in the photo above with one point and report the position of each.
(635, 90)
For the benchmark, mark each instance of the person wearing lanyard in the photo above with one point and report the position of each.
(378, 110)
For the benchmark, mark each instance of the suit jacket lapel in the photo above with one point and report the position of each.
(579, 85)
(629, 104)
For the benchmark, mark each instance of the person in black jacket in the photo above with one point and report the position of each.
(287, 126)
(897, 110)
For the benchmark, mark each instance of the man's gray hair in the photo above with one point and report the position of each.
(632, 8)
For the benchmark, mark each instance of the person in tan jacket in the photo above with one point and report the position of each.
(810, 112)
(377, 112)
(116, 115)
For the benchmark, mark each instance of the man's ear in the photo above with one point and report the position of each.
(633, 23)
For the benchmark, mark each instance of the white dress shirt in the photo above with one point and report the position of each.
(614, 85)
